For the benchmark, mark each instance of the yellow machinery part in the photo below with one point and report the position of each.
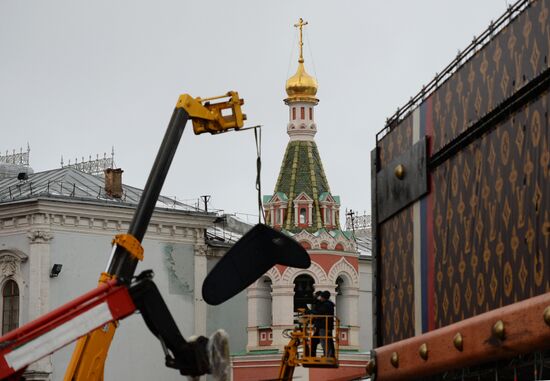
(288, 362)
(131, 244)
(89, 355)
(208, 117)
(301, 338)
(88, 359)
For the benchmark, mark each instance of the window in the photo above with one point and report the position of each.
(311, 113)
(303, 291)
(343, 301)
(278, 216)
(293, 113)
(339, 284)
(302, 220)
(265, 318)
(302, 112)
(328, 216)
(10, 306)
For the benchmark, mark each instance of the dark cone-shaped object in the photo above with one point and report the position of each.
(252, 256)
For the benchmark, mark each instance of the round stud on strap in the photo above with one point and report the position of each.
(131, 244)
(399, 171)
(394, 359)
(498, 330)
(423, 351)
(546, 315)
(458, 341)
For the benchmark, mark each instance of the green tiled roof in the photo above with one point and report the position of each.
(323, 196)
(282, 196)
(302, 171)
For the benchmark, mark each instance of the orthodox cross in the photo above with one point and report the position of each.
(300, 25)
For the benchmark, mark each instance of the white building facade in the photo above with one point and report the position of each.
(68, 220)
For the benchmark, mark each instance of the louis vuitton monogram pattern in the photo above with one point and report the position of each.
(491, 201)
(492, 218)
(397, 141)
(397, 293)
(510, 60)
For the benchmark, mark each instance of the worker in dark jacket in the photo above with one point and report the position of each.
(323, 325)
(312, 345)
(326, 325)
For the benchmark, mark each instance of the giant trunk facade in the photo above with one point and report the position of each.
(465, 229)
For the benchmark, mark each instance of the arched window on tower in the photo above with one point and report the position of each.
(344, 301)
(343, 306)
(10, 306)
(293, 113)
(303, 216)
(304, 286)
(328, 216)
(265, 317)
(339, 300)
(302, 113)
(311, 113)
(277, 217)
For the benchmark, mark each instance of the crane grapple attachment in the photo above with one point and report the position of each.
(214, 117)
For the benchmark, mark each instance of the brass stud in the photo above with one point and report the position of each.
(394, 359)
(546, 315)
(399, 171)
(423, 351)
(498, 330)
(458, 342)
(371, 366)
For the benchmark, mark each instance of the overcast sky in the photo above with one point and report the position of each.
(78, 77)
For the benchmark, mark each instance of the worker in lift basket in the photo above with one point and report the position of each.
(326, 307)
(316, 322)
(324, 325)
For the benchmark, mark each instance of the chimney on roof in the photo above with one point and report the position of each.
(113, 182)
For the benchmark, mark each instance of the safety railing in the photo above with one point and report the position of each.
(314, 331)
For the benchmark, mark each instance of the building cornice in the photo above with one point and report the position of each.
(98, 218)
(94, 205)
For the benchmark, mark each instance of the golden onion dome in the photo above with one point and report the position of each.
(301, 84)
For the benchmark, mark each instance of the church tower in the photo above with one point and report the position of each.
(303, 206)
(302, 199)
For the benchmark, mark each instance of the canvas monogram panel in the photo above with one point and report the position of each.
(396, 251)
(490, 208)
(517, 55)
(397, 141)
(492, 218)
(397, 279)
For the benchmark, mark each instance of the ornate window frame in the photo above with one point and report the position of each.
(303, 201)
(10, 269)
